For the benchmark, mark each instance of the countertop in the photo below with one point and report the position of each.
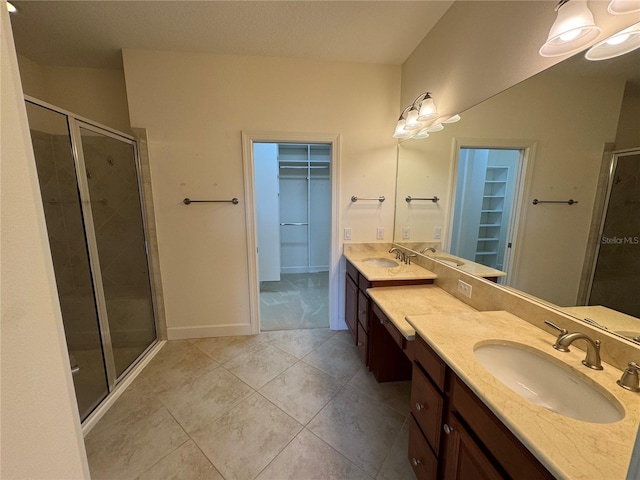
(613, 320)
(472, 268)
(398, 302)
(373, 274)
(569, 448)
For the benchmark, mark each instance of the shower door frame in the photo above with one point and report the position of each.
(75, 122)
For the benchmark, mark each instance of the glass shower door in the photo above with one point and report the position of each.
(65, 228)
(112, 185)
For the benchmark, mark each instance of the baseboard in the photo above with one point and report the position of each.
(182, 333)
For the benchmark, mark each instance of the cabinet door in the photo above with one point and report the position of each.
(463, 459)
(351, 307)
(363, 310)
(423, 461)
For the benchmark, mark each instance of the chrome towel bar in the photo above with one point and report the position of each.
(433, 199)
(188, 201)
(355, 198)
(571, 201)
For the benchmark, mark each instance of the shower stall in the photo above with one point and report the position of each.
(89, 179)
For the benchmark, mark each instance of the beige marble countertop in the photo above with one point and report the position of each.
(569, 448)
(398, 302)
(616, 322)
(472, 268)
(371, 273)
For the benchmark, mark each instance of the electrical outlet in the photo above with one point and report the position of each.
(406, 233)
(464, 288)
(347, 234)
(380, 233)
(437, 233)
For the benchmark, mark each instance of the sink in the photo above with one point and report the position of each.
(548, 382)
(380, 262)
(448, 260)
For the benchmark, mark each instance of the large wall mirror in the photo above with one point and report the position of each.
(570, 135)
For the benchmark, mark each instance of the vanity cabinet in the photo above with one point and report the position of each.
(453, 428)
(380, 345)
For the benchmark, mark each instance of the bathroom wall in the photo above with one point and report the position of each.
(194, 107)
(94, 93)
(480, 48)
(40, 423)
(565, 163)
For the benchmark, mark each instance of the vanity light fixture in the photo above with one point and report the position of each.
(618, 44)
(436, 127)
(573, 29)
(622, 7)
(424, 133)
(11, 8)
(452, 119)
(414, 116)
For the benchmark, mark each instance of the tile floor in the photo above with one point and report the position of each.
(294, 404)
(298, 300)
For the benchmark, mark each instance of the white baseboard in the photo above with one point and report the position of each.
(182, 333)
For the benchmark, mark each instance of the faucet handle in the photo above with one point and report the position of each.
(629, 379)
(408, 258)
(563, 331)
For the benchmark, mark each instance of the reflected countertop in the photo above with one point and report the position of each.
(356, 253)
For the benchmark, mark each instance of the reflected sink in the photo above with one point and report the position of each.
(548, 382)
(380, 262)
(448, 260)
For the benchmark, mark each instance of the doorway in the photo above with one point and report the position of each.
(488, 180)
(293, 219)
(89, 182)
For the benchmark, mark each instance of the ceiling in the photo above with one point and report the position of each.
(92, 33)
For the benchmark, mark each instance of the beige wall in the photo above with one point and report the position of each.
(94, 93)
(40, 428)
(568, 152)
(480, 48)
(194, 107)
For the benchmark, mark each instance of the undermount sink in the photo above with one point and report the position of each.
(448, 260)
(548, 382)
(380, 262)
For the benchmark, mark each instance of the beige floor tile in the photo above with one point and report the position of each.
(301, 391)
(345, 336)
(225, 349)
(359, 427)
(125, 450)
(178, 363)
(336, 358)
(186, 462)
(396, 395)
(396, 466)
(209, 396)
(259, 366)
(309, 458)
(244, 440)
(300, 342)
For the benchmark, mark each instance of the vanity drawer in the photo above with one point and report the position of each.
(390, 327)
(426, 407)
(363, 310)
(363, 344)
(514, 458)
(424, 355)
(422, 459)
(352, 271)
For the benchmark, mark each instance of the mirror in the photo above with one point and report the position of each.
(567, 123)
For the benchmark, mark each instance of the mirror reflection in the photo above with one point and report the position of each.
(539, 189)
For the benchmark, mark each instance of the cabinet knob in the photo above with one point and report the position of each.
(419, 406)
(447, 429)
(415, 462)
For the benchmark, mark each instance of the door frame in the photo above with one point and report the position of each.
(248, 139)
(523, 188)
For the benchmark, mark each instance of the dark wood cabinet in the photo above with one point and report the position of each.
(351, 307)
(451, 423)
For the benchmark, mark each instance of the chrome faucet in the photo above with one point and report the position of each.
(407, 258)
(399, 254)
(428, 249)
(629, 379)
(592, 360)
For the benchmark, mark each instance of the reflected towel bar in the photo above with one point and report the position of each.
(188, 201)
(355, 198)
(571, 201)
(433, 199)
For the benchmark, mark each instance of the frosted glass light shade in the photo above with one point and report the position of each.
(622, 42)
(428, 109)
(412, 120)
(422, 134)
(573, 29)
(452, 119)
(622, 7)
(435, 128)
(11, 8)
(400, 131)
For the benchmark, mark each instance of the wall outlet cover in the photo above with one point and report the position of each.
(347, 234)
(380, 233)
(464, 288)
(406, 233)
(437, 233)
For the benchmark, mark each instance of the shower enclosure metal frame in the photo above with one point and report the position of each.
(75, 122)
